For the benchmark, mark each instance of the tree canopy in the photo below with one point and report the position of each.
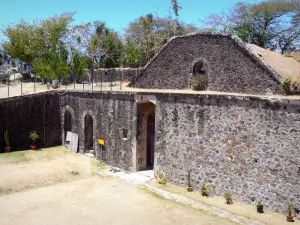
(269, 24)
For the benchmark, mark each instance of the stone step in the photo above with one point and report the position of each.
(91, 151)
(90, 155)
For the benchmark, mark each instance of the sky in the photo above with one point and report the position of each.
(117, 14)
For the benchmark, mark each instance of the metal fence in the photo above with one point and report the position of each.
(16, 86)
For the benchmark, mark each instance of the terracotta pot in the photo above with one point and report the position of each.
(189, 189)
(33, 147)
(7, 149)
(229, 202)
(260, 208)
(289, 218)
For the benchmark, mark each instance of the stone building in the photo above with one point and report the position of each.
(245, 144)
(229, 64)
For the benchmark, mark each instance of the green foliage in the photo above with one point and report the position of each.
(41, 44)
(176, 7)
(268, 24)
(207, 190)
(228, 196)
(161, 177)
(146, 35)
(113, 46)
(199, 83)
(79, 64)
(6, 138)
(189, 178)
(290, 210)
(260, 203)
(33, 136)
(286, 85)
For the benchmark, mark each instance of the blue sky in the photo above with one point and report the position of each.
(116, 13)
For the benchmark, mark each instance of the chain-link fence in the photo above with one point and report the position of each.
(117, 79)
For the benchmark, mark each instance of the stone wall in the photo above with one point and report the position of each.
(111, 113)
(115, 74)
(230, 66)
(247, 146)
(20, 115)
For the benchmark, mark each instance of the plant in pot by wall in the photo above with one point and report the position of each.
(33, 136)
(6, 139)
(228, 198)
(189, 186)
(208, 190)
(161, 177)
(289, 214)
(260, 207)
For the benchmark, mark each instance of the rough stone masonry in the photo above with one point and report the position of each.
(246, 145)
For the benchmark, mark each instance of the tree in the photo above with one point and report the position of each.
(146, 35)
(97, 42)
(268, 24)
(41, 44)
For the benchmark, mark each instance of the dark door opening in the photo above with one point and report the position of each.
(67, 123)
(88, 130)
(150, 140)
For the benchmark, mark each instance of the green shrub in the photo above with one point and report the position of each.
(228, 196)
(286, 85)
(208, 190)
(189, 178)
(199, 83)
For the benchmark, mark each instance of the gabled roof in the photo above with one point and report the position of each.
(268, 65)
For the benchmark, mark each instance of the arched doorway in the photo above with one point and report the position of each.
(67, 124)
(145, 136)
(88, 132)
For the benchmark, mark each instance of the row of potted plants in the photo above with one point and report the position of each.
(32, 135)
(209, 190)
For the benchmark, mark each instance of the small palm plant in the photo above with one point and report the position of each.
(6, 140)
(228, 198)
(33, 136)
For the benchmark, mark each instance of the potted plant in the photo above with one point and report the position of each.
(6, 139)
(33, 136)
(289, 214)
(260, 207)
(161, 177)
(189, 187)
(228, 198)
(208, 190)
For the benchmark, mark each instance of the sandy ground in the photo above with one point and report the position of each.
(237, 208)
(28, 169)
(54, 186)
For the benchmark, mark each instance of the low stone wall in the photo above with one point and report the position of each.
(115, 74)
(20, 115)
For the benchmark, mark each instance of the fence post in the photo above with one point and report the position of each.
(8, 86)
(34, 82)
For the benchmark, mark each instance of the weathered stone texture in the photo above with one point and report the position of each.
(20, 115)
(249, 147)
(111, 114)
(231, 68)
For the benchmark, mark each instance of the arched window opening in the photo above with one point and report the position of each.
(199, 78)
